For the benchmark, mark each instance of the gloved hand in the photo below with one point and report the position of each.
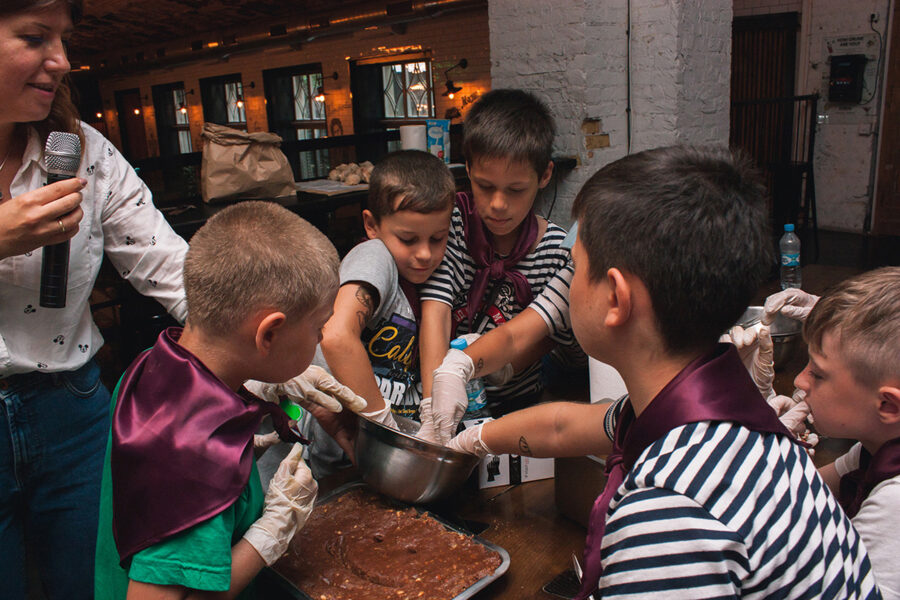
(757, 351)
(795, 419)
(781, 404)
(426, 417)
(383, 416)
(792, 302)
(448, 393)
(313, 386)
(470, 442)
(289, 501)
(498, 377)
(266, 440)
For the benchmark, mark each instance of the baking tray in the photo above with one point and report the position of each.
(273, 577)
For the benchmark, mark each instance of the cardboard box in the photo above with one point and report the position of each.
(437, 138)
(508, 469)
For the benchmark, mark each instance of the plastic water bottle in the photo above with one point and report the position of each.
(790, 258)
(474, 388)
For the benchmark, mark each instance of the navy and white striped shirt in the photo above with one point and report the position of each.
(451, 281)
(714, 510)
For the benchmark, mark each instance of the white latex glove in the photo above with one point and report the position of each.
(498, 377)
(795, 418)
(448, 393)
(383, 416)
(289, 501)
(792, 302)
(313, 386)
(470, 442)
(757, 351)
(426, 417)
(781, 404)
(267, 440)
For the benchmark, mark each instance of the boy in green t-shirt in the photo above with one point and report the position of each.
(182, 507)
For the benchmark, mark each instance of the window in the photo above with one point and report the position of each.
(407, 90)
(223, 101)
(182, 124)
(234, 103)
(309, 122)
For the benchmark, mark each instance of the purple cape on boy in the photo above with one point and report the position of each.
(715, 387)
(873, 469)
(182, 445)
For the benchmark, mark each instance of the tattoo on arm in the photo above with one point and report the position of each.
(524, 449)
(479, 366)
(364, 297)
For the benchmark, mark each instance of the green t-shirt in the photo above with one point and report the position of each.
(196, 558)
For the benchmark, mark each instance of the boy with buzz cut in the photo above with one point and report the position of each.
(501, 256)
(852, 385)
(708, 495)
(182, 507)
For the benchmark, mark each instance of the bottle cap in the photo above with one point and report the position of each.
(788, 226)
(459, 344)
(293, 411)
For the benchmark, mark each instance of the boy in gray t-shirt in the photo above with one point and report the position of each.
(370, 344)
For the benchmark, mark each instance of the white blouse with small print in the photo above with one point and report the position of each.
(119, 219)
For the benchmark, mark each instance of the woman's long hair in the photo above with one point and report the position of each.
(63, 112)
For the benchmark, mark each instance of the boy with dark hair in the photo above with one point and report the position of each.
(370, 343)
(182, 507)
(852, 385)
(501, 256)
(708, 494)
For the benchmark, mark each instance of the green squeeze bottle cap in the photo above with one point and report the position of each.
(292, 410)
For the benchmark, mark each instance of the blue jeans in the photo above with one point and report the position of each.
(53, 437)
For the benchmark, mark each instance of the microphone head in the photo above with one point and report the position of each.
(62, 153)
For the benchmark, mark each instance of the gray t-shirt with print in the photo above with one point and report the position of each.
(390, 336)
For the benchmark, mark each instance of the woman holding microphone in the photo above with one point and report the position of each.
(54, 412)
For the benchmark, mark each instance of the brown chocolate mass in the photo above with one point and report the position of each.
(358, 547)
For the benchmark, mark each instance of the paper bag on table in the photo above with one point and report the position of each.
(240, 165)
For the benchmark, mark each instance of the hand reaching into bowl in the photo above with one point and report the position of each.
(792, 302)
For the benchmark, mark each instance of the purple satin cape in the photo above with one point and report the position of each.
(873, 469)
(182, 445)
(488, 267)
(715, 387)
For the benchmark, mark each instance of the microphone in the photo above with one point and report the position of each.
(62, 153)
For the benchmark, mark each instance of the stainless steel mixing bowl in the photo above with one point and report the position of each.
(407, 468)
(786, 333)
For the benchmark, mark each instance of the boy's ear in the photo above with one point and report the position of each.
(889, 404)
(266, 331)
(544, 179)
(370, 224)
(619, 299)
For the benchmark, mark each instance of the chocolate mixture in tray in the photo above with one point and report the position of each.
(359, 547)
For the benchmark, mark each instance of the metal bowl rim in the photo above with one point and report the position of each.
(398, 439)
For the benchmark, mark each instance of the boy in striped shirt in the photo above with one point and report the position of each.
(708, 494)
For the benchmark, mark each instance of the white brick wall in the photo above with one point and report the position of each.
(844, 144)
(573, 55)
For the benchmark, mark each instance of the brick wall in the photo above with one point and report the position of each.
(847, 134)
(448, 37)
(576, 60)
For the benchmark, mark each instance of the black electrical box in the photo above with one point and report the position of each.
(846, 81)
